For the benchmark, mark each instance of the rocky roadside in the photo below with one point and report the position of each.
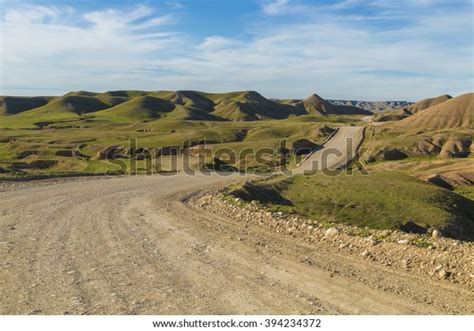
(432, 257)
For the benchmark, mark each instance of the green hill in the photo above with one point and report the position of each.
(16, 105)
(251, 106)
(192, 99)
(138, 108)
(71, 104)
(60, 109)
(314, 104)
(134, 105)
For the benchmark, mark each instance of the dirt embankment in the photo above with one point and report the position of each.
(430, 257)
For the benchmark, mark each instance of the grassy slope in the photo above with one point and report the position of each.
(467, 191)
(380, 200)
(137, 109)
(60, 109)
(16, 105)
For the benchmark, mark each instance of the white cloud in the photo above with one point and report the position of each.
(286, 7)
(213, 43)
(37, 14)
(275, 6)
(60, 49)
(47, 46)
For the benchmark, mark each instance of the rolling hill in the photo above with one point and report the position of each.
(132, 105)
(444, 130)
(251, 106)
(397, 114)
(427, 103)
(453, 113)
(72, 104)
(16, 105)
(139, 108)
(314, 104)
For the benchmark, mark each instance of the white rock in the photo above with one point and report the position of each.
(403, 242)
(372, 241)
(435, 234)
(331, 232)
(442, 273)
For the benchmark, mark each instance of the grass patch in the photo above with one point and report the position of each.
(466, 191)
(422, 241)
(387, 200)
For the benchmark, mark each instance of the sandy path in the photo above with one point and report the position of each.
(132, 245)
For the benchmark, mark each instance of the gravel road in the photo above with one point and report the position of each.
(133, 245)
(340, 149)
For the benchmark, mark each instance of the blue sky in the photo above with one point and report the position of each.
(352, 49)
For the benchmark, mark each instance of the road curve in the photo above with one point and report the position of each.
(337, 152)
(132, 245)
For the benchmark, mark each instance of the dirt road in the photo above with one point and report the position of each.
(132, 245)
(340, 149)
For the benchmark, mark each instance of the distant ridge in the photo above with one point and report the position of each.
(373, 106)
(136, 105)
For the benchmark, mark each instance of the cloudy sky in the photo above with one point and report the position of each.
(354, 49)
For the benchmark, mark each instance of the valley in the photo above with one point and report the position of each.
(286, 199)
